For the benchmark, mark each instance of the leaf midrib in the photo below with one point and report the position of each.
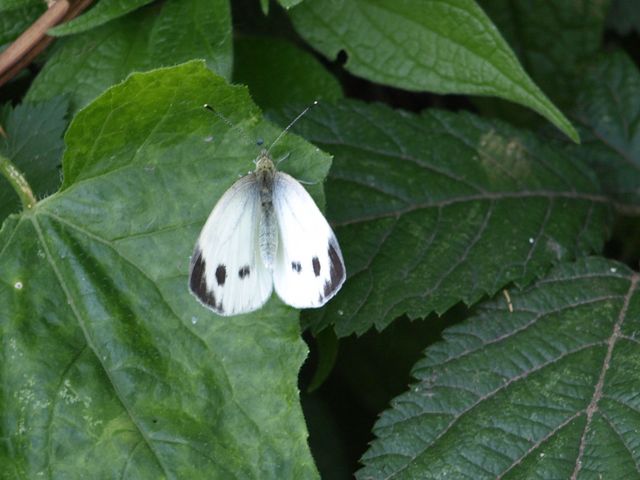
(592, 408)
(488, 196)
(483, 398)
(589, 410)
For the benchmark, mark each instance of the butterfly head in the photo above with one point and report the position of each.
(264, 163)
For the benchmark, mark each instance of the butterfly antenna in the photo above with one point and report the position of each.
(218, 114)
(229, 122)
(300, 115)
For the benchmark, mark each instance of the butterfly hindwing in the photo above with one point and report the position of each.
(309, 268)
(227, 273)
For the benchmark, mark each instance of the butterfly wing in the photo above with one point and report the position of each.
(309, 268)
(227, 273)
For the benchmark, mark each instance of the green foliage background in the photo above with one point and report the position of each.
(479, 162)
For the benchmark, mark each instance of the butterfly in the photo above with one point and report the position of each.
(265, 232)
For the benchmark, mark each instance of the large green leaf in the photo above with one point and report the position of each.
(33, 143)
(548, 390)
(103, 12)
(279, 73)
(439, 208)
(110, 368)
(442, 46)
(553, 39)
(607, 110)
(86, 64)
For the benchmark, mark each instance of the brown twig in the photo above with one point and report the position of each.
(35, 39)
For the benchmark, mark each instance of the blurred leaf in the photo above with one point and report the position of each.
(110, 367)
(33, 143)
(608, 112)
(553, 39)
(103, 12)
(6, 5)
(16, 17)
(85, 65)
(546, 391)
(375, 367)
(327, 440)
(624, 16)
(435, 209)
(279, 73)
(444, 46)
(289, 3)
(327, 344)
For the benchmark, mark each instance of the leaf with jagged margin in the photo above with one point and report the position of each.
(608, 114)
(443, 46)
(110, 367)
(554, 40)
(33, 143)
(104, 11)
(278, 73)
(84, 65)
(439, 208)
(548, 390)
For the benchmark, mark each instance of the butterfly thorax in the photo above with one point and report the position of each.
(268, 230)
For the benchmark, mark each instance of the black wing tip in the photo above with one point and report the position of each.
(337, 272)
(198, 283)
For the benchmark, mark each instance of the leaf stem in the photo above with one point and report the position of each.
(18, 182)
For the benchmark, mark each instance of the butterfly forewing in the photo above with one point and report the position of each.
(309, 268)
(227, 273)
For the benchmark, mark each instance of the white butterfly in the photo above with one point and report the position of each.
(265, 230)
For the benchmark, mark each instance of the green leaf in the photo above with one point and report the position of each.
(447, 46)
(546, 391)
(279, 73)
(6, 5)
(289, 3)
(110, 367)
(178, 31)
(554, 40)
(104, 11)
(33, 144)
(607, 110)
(327, 345)
(15, 18)
(435, 209)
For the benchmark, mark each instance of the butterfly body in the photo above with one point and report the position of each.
(265, 175)
(265, 231)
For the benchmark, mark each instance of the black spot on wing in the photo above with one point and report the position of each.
(316, 266)
(336, 272)
(221, 274)
(296, 266)
(244, 271)
(198, 283)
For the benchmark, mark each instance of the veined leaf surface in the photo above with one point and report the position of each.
(439, 208)
(542, 386)
(110, 368)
